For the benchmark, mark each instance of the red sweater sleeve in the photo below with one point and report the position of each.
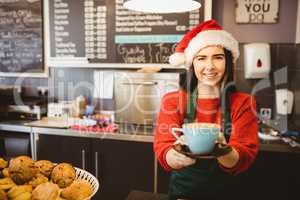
(244, 135)
(170, 115)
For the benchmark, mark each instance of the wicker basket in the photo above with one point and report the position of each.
(84, 175)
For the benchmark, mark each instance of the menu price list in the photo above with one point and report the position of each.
(95, 29)
(105, 31)
(64, 41)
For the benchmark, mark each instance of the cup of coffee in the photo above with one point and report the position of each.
(200, 137)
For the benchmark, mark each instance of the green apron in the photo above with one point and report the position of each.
(202, 180)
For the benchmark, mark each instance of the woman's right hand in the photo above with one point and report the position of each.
(178, 160)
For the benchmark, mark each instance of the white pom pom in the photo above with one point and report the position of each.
(176, 59)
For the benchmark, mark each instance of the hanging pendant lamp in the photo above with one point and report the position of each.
(162, 6)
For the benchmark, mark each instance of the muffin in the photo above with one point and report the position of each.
(6, 183)
(18, 190)
(78, 190)
(3, 195)
(37, 180)
(5, 172)
(46, 191)
(63, 175)
(23, 196)
(22, 169)
(3, 163)
(45, 167)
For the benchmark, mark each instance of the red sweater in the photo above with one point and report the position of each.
(244, 135)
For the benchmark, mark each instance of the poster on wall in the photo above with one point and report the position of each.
(257, 11)
(21, 38)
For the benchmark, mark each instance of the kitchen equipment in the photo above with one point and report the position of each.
(257, 60)
(138, 95)
(14, 104)
(284, 101)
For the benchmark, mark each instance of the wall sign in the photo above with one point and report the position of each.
(257, 11)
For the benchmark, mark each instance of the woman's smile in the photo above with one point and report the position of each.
(210, 75)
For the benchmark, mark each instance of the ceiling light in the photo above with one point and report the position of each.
(162, 6)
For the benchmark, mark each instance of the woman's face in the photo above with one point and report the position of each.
(209, 65)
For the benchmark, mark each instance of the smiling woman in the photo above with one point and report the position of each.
(207, 95)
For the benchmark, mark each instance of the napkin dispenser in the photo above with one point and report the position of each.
(257, 60)
(284, 101)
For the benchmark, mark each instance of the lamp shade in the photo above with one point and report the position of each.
(162, 6)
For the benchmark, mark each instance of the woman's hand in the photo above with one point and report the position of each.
(230, 159)
(221, 138)
(177, 160)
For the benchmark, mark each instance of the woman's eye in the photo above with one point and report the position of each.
(200, 58)
(219, 57)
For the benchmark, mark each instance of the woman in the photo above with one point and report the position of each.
(207, 95)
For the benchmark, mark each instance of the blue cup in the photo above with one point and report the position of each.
(200, 137)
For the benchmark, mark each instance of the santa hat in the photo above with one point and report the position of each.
(205, 34)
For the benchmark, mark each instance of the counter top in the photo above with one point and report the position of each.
(133, 133)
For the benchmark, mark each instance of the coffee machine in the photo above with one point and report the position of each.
(15, 104)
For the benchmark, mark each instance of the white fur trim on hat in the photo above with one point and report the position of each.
(177, 59)
(208, 38)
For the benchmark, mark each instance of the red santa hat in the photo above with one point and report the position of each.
(205, 34)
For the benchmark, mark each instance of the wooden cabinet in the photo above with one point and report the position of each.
(14, 144)
(74, 150)
(120, 166)
(274, 175)
(123, 166)
(162, 180)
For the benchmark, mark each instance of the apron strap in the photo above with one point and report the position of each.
(226, 124)
(190, 113)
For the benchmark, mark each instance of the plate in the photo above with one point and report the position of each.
(184, 149)
(267, 136)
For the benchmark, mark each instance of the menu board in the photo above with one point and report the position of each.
(21, 38)
(103, 31)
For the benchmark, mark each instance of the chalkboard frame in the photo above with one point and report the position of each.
(45, 72)
(82, 62)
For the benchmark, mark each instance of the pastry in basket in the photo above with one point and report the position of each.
(45, 167)
(78, 190)
(23, 196)
(6, 183)
(63, 175)
(22, 169)
(18, 192)
(5, 172)
(1, 175)
(46, 191)
(3, 195)
(37, 180)
(3, 163)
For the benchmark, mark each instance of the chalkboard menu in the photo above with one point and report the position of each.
(103, 31)
(21, 36)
